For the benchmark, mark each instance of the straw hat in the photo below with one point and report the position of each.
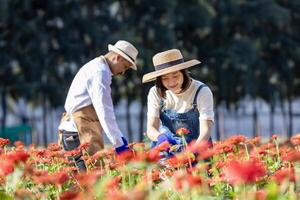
(126, 50)
(166, 62)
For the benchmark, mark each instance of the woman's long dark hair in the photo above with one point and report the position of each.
(161, 89)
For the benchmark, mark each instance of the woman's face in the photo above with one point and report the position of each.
(173, 81)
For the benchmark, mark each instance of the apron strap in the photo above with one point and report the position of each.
(162, 104)
(196, 95)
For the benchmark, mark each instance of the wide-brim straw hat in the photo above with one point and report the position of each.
(126, 50)
(167, 62)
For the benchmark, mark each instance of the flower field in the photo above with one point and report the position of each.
(236, 168)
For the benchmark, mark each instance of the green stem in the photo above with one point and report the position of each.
(58, 191)
(185, 147)
(277, 150)
(247, 152)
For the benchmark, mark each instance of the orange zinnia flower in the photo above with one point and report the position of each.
(182, 131)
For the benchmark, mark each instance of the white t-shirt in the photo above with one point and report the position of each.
(91, 85)
(182, 102)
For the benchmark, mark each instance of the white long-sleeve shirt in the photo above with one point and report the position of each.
(91, 85)
(182, 102)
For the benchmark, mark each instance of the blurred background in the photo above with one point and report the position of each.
(250, 53)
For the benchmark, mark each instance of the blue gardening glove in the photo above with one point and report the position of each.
(122, 148)
(166, 137)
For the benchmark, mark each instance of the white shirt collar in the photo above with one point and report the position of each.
(106, 64)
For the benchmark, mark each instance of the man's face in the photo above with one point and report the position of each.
(121, 65)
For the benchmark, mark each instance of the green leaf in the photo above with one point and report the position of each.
(4, 196)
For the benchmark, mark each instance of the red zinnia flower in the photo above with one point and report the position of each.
(69, 195)
(84, 146)
(18, 156)
(295, 140)
(260, 195)
(54, 147)
(114, 183)
(153, 155)
(155, 175)
(181, 159)
(4, 142)
(244, 172)
(19, 144)
(236, 139)
(292, 156)
(86, 179)
(189, 180)
(6, 168)
(57, 178)
(274, 136)
(72, 153)
(115, 195)
(125, 156)
(284, 174)
(254, 141)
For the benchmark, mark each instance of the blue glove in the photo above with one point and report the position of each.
(122, 148)
(166, 137)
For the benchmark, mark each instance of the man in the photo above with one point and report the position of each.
(89, 106)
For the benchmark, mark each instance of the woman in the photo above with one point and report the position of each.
(177, 101)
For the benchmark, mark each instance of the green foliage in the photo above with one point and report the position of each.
(5, 196)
